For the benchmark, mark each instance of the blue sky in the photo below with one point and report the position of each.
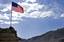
(39, 16)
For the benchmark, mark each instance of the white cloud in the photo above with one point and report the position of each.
(3, 17)
(17, 19)
(33, 10)
(39, 14)
(34, 14)
(35, 6)
(1, 21)
(7, 8)
(31, 6)
(30, 0)
(16, 16)
(46, 14)
(8, 22)
(62, 15)
(6, 16)
(4, 10)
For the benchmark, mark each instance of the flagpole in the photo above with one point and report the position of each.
(17, 8)
(11, 18)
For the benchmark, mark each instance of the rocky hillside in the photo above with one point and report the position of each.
(51, 36)
(8, 35)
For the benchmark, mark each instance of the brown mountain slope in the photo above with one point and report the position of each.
(51, 36)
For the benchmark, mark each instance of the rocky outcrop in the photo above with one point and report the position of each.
(8, 35)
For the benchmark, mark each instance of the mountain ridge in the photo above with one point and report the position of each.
(50, 36)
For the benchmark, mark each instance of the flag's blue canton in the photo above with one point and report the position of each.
(14, 4)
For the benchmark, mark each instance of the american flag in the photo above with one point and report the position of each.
(17, 8)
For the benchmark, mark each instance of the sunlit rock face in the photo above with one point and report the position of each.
(8, 35)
